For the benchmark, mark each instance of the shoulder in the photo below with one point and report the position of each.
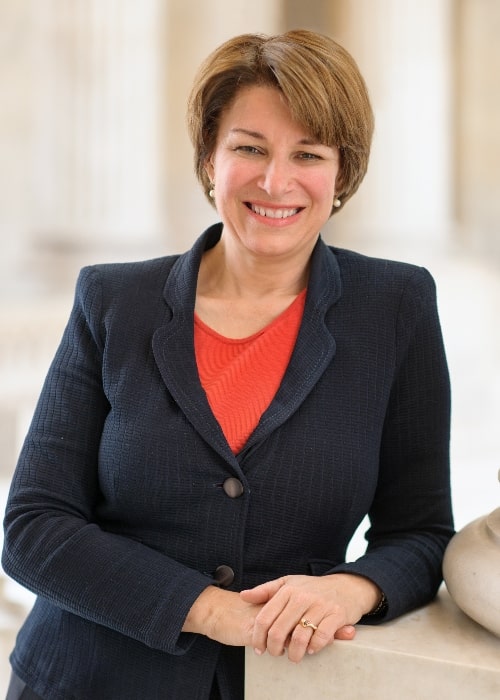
(120, 294)
(124, 281)
(125, 273)
(149, 276)
(359, 271)
(385, 291)
(353, 263)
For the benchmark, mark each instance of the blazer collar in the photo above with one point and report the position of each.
(173, 345)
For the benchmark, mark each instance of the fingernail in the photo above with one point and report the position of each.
(258, 652)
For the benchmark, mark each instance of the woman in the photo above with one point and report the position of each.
(215, 425)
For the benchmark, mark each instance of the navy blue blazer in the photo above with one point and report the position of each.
(118, 517)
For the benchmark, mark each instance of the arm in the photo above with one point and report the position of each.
(411, 517)
(223, 616)
(53, 544)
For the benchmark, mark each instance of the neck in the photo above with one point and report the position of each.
(225, 272)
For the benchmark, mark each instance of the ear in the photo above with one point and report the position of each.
(209, 169)
(339, 178)
(339, 184)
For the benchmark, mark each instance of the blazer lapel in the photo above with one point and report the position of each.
(173, 346)
(315, 346)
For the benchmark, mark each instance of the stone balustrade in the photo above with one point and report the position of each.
(434, 652)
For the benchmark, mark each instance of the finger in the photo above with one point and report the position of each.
(274, 625)
(262, 593)
(301, 638)
(267, 634)
(346, 633)
(302, 626)
(328, 629)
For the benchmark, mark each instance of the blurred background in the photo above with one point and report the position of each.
(95, 165)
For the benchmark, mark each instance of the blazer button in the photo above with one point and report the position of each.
(224, 575)
(233, 487)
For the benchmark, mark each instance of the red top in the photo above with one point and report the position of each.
(241, 376)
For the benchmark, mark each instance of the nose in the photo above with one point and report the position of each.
(276, 177)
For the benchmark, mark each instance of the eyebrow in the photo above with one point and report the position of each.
(257, 135)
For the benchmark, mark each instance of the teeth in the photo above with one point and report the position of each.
(273, 213)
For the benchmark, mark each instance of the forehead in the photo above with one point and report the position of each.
(259, 109)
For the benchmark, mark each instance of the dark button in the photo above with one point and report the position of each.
(233, 487)
(224, 575)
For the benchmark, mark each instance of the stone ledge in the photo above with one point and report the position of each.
(436, 651)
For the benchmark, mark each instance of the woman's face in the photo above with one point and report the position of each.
(274, 185)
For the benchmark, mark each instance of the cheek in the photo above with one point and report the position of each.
(322, 188)
(235, 179)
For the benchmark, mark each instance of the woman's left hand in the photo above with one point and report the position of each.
(333, 604)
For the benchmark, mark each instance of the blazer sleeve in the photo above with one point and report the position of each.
(411, 516)
(52, 546)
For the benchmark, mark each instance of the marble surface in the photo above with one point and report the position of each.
(436, 651)
(471, 570)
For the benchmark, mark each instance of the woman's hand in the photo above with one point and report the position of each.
(332, 603)
(223, 616)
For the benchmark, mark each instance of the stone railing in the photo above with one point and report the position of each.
(434, 652)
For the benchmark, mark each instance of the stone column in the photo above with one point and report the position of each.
(477, 111)
(404, 50)
(17, 33)
(98, 124)
(195, 29)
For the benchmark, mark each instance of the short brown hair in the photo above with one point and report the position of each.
(319, 79)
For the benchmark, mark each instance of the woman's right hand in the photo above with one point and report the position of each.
(223, 616)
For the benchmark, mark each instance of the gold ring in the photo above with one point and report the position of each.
(307, 623)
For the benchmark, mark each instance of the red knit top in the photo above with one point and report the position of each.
(241, 376)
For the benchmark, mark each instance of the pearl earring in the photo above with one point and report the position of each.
(336, 202)
(211, 191)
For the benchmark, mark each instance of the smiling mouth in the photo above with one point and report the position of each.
(272, 213)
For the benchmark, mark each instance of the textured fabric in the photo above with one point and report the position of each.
(18, 690)
(241, 376)
(117, 517)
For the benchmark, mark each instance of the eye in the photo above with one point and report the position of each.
(308, 156)
(252, 150)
